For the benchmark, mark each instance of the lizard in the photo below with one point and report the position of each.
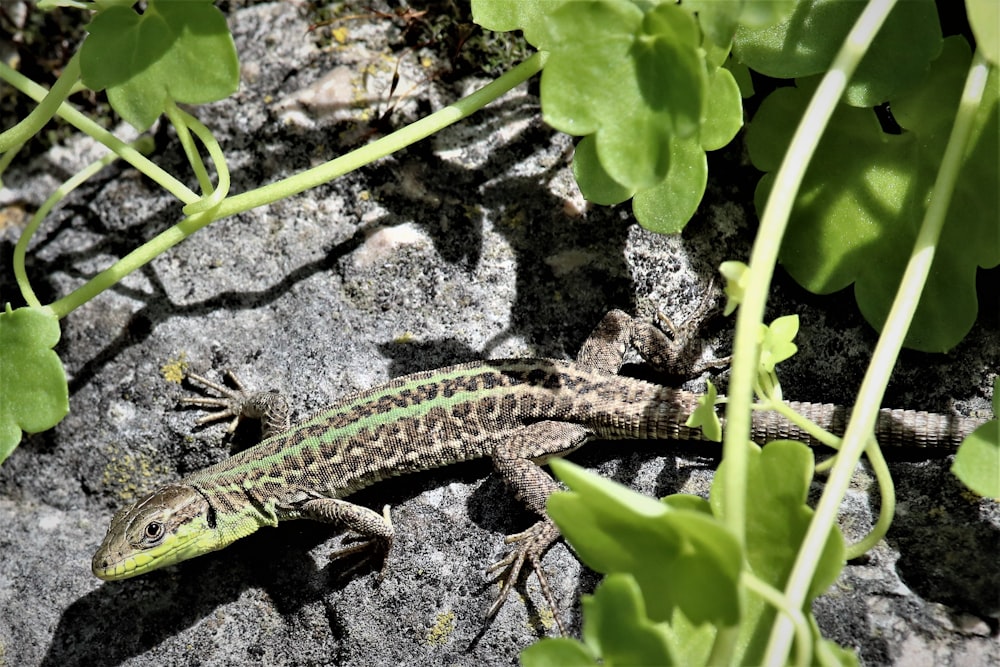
(518, 412)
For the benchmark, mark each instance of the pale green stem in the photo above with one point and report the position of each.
(386, 145)
(48, 105)
(218, 159)
(776, 599)
(6, 159)
(887, 508)
(190, 149)
(294, 184)
(865, 413)
(84, 124)
(22, 243)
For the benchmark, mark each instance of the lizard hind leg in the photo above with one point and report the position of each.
(532, 543)
(514, 460)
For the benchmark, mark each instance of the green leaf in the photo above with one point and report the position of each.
(829, 653)
(666, 207)
(683, 560)
(977, 462)
(724, 111)
(634, 79)
(807, 42)
(617, 629)
(777, 519)
(705, 416)
(760, 14)
(526, 15)
(776, 341)
(557, 652)
(865, 193)
(176, 51)
(33, 392)
(984, 18)
(688, 502)
(595, 183)
(736, 274)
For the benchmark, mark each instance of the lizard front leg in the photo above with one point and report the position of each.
(517, 461)
(270, 407)
(674, 355)
(374, 530)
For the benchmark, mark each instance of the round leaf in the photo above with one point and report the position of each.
(33, 392)
(180, 51)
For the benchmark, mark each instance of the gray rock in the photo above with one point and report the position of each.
(474, 243)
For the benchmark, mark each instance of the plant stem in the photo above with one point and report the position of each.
(218, 161)
(80, 177)
(303, 181)
(48, 103)
(386, 145)
(84, 124)
(887, 505)
(862, 422)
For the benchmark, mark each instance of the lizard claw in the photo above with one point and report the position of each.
(376, 547)
(228, 404)
(238, 404)
(531, 544)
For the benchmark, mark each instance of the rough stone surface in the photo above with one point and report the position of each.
(474, 243)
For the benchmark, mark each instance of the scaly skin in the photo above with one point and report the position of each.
(515, 411)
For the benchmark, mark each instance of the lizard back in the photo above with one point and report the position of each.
(434, 418)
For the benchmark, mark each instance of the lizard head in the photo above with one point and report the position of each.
(169, 525)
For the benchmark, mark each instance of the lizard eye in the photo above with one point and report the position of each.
(154, 531)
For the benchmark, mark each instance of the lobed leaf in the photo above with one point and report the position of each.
(777, 518)
(984, 19)
(617, 628)
(864, 195)
(174, 51)
(977, 462)
(526, 15)
(557, 652)
(776, 341)
(643, 86)
(807, 42)
(683, 560)
(667, 206)
(34, 395)
(633, 78)
(705, 417)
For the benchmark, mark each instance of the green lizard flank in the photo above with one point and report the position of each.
(518, 412)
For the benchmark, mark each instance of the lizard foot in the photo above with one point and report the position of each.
(237, 404)
(374, 548)
(531, 545)
(228, 404)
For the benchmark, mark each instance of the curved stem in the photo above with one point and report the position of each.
(796, 618)
(84, 124)
(386, 145)
(190, 149)
(218, 159)
(20, 274)
(294, 184)
(887, 509)
(48, 105)
(862, 422)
